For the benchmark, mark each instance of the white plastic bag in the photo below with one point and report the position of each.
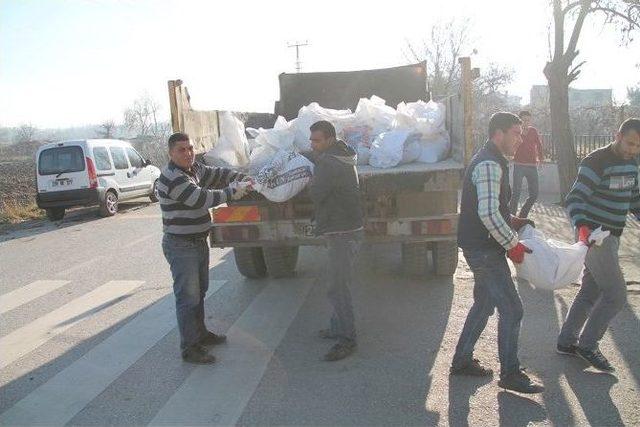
(375, 113)
(387, 149)
(284, 177)
(269, 142)
(309, 114)
(358, 138)
(424, 117)
(552, 264)
(412, 149)
(232, 149)
(434, 149)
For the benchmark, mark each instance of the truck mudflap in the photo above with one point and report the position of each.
(244, 225)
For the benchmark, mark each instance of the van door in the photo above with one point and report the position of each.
(122, 172)
(62, 168)
(141, 175)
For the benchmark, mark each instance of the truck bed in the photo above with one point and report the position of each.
(408, 168)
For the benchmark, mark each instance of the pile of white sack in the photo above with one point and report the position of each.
(553, 264)
(382, 136)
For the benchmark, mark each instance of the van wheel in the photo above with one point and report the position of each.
(109, 206)
(280, 260)
(250, 262)
(55, 214)
(154, 192)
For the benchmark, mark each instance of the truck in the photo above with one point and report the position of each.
(414, 205)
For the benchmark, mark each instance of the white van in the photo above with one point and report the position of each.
(91, 172)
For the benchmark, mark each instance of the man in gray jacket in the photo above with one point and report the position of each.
(335, 194)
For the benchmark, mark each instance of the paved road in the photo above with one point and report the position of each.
(88, 337)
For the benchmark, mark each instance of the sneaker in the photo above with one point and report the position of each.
(340, 351)
(569, 350)
(595, 359)
(213, 339)
(519, 381)
(198, 355)
(326, 334)
(471, 369)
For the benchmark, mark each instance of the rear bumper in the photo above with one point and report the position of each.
(68, 198)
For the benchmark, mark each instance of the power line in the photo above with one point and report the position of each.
(298, 45)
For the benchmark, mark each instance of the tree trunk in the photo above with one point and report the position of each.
(561, 127)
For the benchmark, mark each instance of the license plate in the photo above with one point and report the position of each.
(61, 182)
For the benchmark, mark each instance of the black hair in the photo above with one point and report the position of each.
(632, 123)
(502, 121)
(524, 113)
(177, 137)
(325, 127)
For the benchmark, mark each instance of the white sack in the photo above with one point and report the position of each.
(232, 148)
(375, 113)
(309, 114)
(269, 142)
(358, 138)
(552, 264)
(387, 149)
(434, 149)
(412, 149)
(424, 117)
(284, 177)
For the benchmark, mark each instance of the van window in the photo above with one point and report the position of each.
(103, 162)
(53, 161)
(134, 158)
(119, 158)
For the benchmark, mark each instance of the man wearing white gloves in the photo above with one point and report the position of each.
(186, 191)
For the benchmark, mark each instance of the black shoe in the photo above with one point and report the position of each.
(520, 382)
(340, 351)
(569, 350)
(471, 369)
(197, 354)
(595, 359)
(326, 334)
(213, 339)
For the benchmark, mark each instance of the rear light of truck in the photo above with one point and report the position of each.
(93, 176)
(238, 233)
(238, 213)
(432, 226)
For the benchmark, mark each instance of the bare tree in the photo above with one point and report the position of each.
(561, 71)
(25, 133)
(107, 129)
(633, 95)
(143, 119)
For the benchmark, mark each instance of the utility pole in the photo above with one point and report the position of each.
(298, 45)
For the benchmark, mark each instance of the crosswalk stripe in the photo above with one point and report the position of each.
(31, 336)
(28, 293)
(58, 400)
(217, 395)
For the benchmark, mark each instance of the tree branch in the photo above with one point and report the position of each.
(614, 13)
(577, 28)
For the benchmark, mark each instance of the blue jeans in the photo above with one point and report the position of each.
(493, 289)
(189, 262)
(343, 249)
(530, 172)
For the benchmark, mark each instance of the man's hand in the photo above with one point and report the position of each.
(516, 254)
(517, 223)
(240, 188)
(583, 235)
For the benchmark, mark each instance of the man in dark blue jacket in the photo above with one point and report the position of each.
(335, 194)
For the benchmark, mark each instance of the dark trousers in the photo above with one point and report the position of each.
(189, 262)
(493, 288)
(530, 173)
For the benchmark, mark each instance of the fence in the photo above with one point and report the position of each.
(584, 144)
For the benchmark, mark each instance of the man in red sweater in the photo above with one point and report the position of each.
(525, 165)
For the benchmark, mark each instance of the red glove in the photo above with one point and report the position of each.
(583, 234)
(516, 254)
(517, 223)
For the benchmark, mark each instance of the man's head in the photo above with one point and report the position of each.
(627, 144)
(505, 130)
(525, 116)
(323, 136)
(181, 150)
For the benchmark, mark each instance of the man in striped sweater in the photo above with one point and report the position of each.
(187, 190)
(604, 192)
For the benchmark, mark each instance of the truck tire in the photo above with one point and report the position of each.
(280, 260)
(415, 258)
(250, 262)
(445, 258)
(55, 214)
(109, 206)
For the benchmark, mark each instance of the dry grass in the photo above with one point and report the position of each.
(12, 212)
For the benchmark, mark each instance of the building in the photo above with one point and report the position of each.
(578, 98)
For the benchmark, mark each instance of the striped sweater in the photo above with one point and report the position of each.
(605, 191)
(185, 198)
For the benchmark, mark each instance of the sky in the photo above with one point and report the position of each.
(79, 62)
